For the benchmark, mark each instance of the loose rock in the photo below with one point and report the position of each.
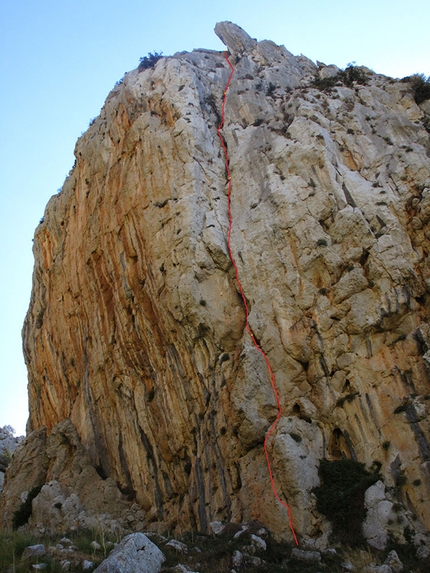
(178, 545)
(258, 542)
(134, 552)
(377, 569)
(394, 562)
(237, 559)
(33, 551)
(306, 556)
(217, 527)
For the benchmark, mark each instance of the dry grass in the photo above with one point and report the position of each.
(13, 543)
(359, 558)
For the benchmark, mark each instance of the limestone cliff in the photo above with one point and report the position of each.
(135, 332)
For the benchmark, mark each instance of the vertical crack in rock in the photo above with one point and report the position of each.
(422, 441)
(158, 496)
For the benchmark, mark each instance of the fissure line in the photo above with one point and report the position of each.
(245, 303)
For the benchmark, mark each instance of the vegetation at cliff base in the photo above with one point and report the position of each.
(340, 497)
(234, 548)
(13, 544)
(214, 553)
(22, 514)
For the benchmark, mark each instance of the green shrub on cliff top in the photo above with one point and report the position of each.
(348, 77)
(149, 61)
(420, 87)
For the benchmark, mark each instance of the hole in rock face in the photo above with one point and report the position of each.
(128, 492)
(101, 472)
(297, 411)
(338, 447)
(346, 387)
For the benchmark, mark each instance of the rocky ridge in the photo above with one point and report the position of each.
(8, 444)
(135, 345)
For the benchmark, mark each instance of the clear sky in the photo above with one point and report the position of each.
(60, 58)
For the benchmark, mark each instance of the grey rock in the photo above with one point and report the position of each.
(377, 569)
(240, 532)
(96, 546)
(328, 72)
(135, 553)
(254, 561)
(236, 39)
(329, 551)
(87, 565)
(394, 562)
(306, 556)
(379, 510)
(33, 551)
(7, 439)
(8, 444)
(258, 542)
(178, 545)
(423, 552)
(217, 527)
(237, 559)
(180, 568)
(39, 566)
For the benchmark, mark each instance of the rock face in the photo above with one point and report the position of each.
(135, 331)
(73, 494)
(8, 444)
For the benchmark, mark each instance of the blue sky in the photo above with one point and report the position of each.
(59, 60)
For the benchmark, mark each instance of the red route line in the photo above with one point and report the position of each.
(245, 304)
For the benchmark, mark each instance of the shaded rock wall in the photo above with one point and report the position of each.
(135, 330)
(73, 494)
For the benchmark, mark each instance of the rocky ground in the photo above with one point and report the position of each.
(231, 548)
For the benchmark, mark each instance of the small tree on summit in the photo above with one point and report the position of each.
(150, 60)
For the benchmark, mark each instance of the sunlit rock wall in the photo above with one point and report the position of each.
(135, 330)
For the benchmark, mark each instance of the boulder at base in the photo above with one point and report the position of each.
(135, 553)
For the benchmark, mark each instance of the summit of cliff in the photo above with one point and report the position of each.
(149, 402)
